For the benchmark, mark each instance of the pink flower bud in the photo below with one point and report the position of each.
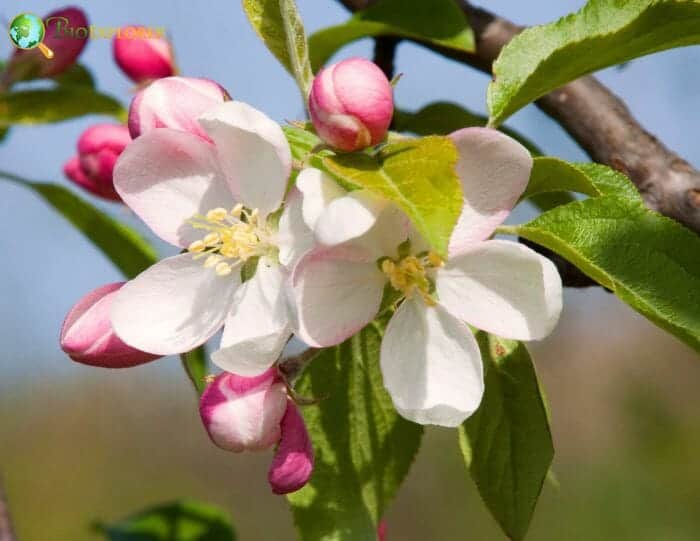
(142, 54)
(174, 102)
(351, 104)
(66, 35)
(87, 335)
(381, 530)
(293, 463)
(98, 149)
(244, 414)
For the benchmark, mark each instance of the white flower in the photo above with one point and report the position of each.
(216, 201)
(430, 361)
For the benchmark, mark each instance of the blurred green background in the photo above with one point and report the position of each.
(79, 444)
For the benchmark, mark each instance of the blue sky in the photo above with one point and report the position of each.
(48, 265)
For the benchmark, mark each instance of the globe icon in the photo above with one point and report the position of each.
(27, 31)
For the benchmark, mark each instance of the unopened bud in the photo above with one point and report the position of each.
(293, 463)
(142, 54)
(98, 149)
(351, 104)
(244, 414)
(66, 36)
(87, 335)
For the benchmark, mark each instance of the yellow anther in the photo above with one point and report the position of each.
(217, 214)
(212, 260)
(196, 246)
(435, 260)
(211, 239)
(408, 276)
(223, 269)
(237, 210)
(388, 266)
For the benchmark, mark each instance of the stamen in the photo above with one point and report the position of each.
(232, 238)
(408, 275)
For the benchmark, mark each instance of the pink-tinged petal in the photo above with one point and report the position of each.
(293, 238)
(257, 328)
(173, 306)
(504, 288)
(142, 54)
(244, 414)
(494, 170)
(431, 365)
(337, 292)
(293, 463)
(87, 335)
(253, 152)
(103, 136)
(166, 177)
(74, 172)
(174, 102)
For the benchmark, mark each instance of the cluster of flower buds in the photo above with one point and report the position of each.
(253, 414)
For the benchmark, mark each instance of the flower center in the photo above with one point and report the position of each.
(233, 237)
(409, 275)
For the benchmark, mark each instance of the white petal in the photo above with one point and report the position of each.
(257, 328)
(431, 365)
(166, 176)
(173, 306)
(319, 190)
(253, 153)
(504, 288)
(348, 217)
(294, 238)
(337, 291)
(494, 170)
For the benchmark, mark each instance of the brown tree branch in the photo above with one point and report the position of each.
(6, 530)
(598, 120)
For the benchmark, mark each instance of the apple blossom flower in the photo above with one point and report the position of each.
(66, 46)
(253, 414)
(430, 361)
(351, 104)
(99, 146)
(174, 102)
(87, 335)
(219, 202)
(141, 56)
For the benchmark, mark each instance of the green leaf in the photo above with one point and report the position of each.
(603, 33)
(363, 448)
(440, 22)
(507, 444)
(195, 365)
(649, 261)
(76, 75)
(278, 24)
(55, 105)
(551, 175)
(301, 141)
(178, 521)
(418, 175)
(129, 252)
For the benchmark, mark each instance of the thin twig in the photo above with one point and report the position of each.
(6, 530)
